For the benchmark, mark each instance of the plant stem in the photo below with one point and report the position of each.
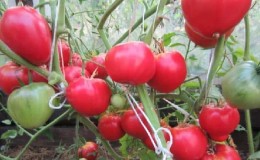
(102, 22)
(17, 59)
(138, 23)
(87, 122)
(41, 131)
(215, 62)
(249, 131)
(150, 111)
(247, 40)
(158, 19)
(42, 7)
(247, 111)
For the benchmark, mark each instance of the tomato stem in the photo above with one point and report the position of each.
(102, 22)
(213, 68)
(17, 59)
(157, 21)
(247, 40)
(249, 131)
(150, 111)
(42, 7)
(247, 111)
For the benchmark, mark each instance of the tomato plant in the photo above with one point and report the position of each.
(19, 27)
(210, 17)
(171, 65)
(135, 55)
(108, 123)
(89, 97)
(189, 142)
(241, 87)
(225, 116)
(88, 151)
(29, 105)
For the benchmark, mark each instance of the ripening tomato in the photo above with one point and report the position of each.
(97, 64)
(225, 116)
(76, 60)
(109, 126)
(210, 17)
(130, 63)
(222, 152)
(189, 142)
(132, 126)
(14, 76)
(88, 151)
(64, 53)
(72, 73)
(29, 105)
(88, 96)
(241, 86)
(202, 41)
(170, 72)
(27, 33)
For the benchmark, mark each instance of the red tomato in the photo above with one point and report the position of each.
(109, 126)
(209, 17)
(170, 72)
(132, 126)
(212, 116)
(97, 64)
(89, 97)
(76, 60)
(189, 142)
(222, 152)
(64, 53)
(88, 151)
(27, 33)
(13, 76)
(202, 41)
(72, 73)
(131, 63)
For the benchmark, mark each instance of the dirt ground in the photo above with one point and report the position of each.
(61, 146)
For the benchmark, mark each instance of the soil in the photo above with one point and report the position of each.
(61, 146)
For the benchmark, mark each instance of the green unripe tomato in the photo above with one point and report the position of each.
(241, 86)
(118, 101)
(29, 105)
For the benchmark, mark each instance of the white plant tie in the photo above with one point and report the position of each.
(51, 105)
(159, 148)
(180, 109)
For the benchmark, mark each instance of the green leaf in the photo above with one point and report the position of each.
(124, 141)
(6, 121)
(177, 44)
(9, 134)
(148, 154)
(254, 155)
(167, 38)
